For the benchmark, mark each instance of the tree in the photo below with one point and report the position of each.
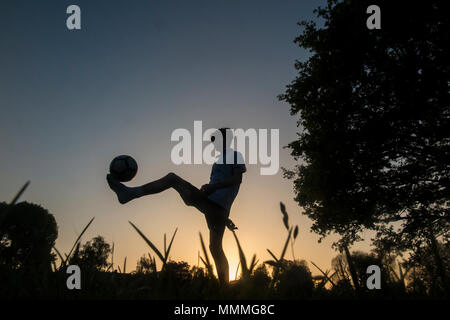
(423, 276)
(27, 235)
(146, 264)
(93, 255)
(361, 260)
(294, 280)
(374, 145)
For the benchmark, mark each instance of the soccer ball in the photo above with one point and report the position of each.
(123, 168)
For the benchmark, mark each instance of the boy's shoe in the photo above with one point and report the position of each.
(230, 225)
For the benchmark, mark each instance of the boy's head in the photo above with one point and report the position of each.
(222, 138)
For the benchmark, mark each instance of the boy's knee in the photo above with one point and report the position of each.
(172, 176)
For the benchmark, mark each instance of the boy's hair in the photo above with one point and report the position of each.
(224, 131)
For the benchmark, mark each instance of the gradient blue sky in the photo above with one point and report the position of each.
(72, 100)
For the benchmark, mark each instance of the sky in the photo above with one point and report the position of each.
(71, 100)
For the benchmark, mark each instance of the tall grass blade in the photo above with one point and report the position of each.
(325, 275)
(245, 271)
(125, 265)
(352, 269)
(330, 277)
(165, 246)
(273, 256)
(19, 194)
(285, 215)
(207, 263)
(78, 239)
(237, 269)
(170, 244)
(150, 244)
(253, 263)
(76, 251)
(295, 232)
(285, 245)
(208, 267)
(59, 255)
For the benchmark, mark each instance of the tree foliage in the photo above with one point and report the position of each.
(27, 235)
(374, 114)
(423, 275)
(93, 255)
(146, 264)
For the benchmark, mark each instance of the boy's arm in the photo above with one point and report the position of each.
(236, 178)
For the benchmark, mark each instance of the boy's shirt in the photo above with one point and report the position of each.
(222, 171)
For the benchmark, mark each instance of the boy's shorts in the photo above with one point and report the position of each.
(216, 216)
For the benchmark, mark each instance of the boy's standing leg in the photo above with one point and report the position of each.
(215, 246)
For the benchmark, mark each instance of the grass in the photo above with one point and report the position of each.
(206, 260)
(277, 278)
(246, 270)
(163, 257)
(76, 246)
(325, 276)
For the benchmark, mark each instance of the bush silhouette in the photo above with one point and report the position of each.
(27, 235)
(294, 281)
(145, 265)
(93, 255)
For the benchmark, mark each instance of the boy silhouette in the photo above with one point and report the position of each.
(214, 199)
